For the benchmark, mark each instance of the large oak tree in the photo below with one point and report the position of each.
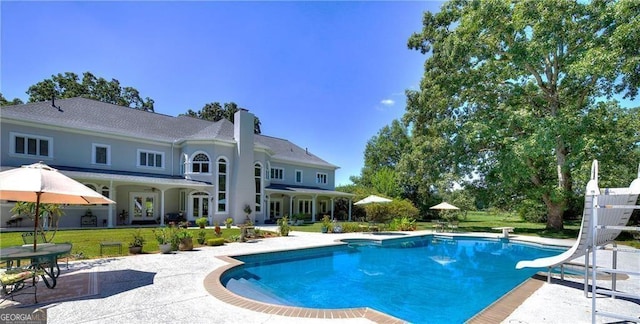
(514, 93)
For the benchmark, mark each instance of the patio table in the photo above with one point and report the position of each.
(45, 258)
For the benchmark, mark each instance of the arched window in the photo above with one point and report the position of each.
(105, 191)
(258, 179)
(200, 163)
(222, 186)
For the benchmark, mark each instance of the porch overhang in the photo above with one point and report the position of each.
(302, 190)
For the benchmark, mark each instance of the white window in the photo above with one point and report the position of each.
(183, 200)
(222, 186)
(258, 179)
(321, 178)
(101, 154)
(31, 145)
(298, 176)
(200, 163)
(323, 206)
(150, 159)
(277, 173)
(304, 206)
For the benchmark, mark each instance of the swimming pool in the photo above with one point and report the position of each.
(418, 279)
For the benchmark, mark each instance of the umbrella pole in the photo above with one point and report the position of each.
(35, 224)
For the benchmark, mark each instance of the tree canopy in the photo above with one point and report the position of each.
(69, 85)
(215, 111)
(5, 102)
(517, 94)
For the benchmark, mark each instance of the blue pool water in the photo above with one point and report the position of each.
(420, 279)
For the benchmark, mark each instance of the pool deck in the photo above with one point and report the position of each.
(182, 288)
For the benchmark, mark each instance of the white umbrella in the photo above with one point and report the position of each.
(444, 205)
(372, 199)
(41, 183)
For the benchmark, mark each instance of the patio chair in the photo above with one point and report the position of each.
(611, 212)
(27, 238)
(439, 226)
(15, 281)
(453, 226)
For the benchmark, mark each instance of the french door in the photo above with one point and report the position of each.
(200, 205)
(275, 208)
(143, 206)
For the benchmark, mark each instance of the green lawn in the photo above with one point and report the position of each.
(87, 241)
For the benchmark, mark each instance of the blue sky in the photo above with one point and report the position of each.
(325, 75)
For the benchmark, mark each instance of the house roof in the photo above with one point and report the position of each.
(285, 150)
(95, 116)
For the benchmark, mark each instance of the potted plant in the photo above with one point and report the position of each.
(228, 222)
(164, 237)
(185, 240)
(135, 246)
(202, 222)
(283, 226)
(201, 237)
(247, 210)
(326, 224)
(217, 229)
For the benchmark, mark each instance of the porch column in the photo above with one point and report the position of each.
(212, 208)
(291, 206)
(110, 214)
(162, 207)
(332, 202)
(349, 209)
(314, 199)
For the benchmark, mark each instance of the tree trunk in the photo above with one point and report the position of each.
(555, 209)
(554, 216)
(557, 205)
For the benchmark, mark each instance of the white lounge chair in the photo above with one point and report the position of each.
(614, 205)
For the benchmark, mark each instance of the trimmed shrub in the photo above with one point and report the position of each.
(215, 241)
(351, 227)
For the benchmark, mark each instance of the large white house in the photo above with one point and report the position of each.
(154, 165)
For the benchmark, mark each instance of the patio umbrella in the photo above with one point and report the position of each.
(41, 183)
(372, 199)
(445, 205)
